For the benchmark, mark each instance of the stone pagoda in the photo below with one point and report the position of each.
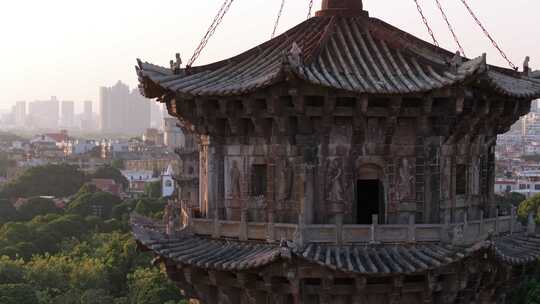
(344, 161)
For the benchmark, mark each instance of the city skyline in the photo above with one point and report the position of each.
(74, 61)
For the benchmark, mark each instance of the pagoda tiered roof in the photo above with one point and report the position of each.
(371, 259)
(357, 54)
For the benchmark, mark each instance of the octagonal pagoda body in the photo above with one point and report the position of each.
(343, 120)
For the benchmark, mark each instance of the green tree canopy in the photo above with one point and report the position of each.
(18, 294)
(153, 189)
(149, 207)
(7, 211)
(149, 286)
(118, 164)
(5, 164)
(11, 271)
(50, 180)
(508, 200)
(112, 173)
(528, 206)
(98, 204)
(36, 206)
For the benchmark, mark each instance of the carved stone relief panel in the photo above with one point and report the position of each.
(339, 140)
(374, 136)
(405, 180)
(446, 178)
(335, 185)
(405, 132)
(475, 176)
(233, 177)
(285, 181)
(391, 176)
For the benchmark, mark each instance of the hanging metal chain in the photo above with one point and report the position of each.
(451, 28)
(310, 9)
(211, 30)
(278, 18)
(426, 23)
(503, 54)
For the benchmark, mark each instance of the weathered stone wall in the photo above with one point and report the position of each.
(433, 156)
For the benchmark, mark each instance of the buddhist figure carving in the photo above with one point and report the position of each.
(475, 182)
(235, 176)
(334, 185)
(285, 182)
(406, 179)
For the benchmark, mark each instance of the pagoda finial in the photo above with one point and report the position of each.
(348, 8)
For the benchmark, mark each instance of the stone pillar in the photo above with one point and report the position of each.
(203, 177)
(531, 225)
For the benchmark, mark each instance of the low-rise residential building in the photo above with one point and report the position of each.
(113, 148)
(505, 185)
(138, 179)
(79, 147)
(153, 164)
(528, 182)
(108, 185)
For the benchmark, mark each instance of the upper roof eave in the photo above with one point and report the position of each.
(362, 55)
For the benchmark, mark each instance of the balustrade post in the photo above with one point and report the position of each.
(512, 219)
(270, 229)
(481, 229)
(217, 225)
(374, 223)
(339, 229)
(412, 228)
(243, 235)
(301, 231)
(531, 225)
(446, 229)
(497, 228)
(465, 225)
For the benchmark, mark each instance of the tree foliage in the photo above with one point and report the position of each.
(530, 205)
(152, 189)
(5, 164)
(7, 211)
(149, 207)
(509, 200)
(18, 294)
(36, 206)
(149, 286)
(97, 204)
(50, 180)
(73, 258)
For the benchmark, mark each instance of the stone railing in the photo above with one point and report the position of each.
(464, 233)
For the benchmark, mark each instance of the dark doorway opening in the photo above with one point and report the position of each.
(369, 201)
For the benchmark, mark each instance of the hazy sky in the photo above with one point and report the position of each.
(69, 48)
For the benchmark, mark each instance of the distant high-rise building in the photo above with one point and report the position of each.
(19, 114)
(173, 136)
(44, 114)
(87, 110)
(68, 114)
(87, 116)
(122, 110)
(156, 115)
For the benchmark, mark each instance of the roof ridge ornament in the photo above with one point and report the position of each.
(526, 67)
(294, 55)
(456, 61)
(176, 64)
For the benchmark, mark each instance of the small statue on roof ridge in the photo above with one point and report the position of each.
(295, 55)
(526, 68)
(176, 64)
(456, 61)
